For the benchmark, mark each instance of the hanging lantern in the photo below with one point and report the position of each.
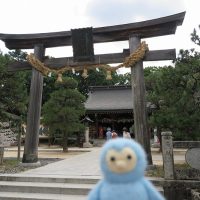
(108, 77)
(73, 71)
(85, 73)
(59, 78)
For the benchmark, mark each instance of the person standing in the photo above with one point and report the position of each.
(126, 134)
(108, 134)
(114, 134)
(100, 132)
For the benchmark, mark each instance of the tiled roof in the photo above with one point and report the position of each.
(110, 99)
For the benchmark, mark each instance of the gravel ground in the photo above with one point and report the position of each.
(4, 169)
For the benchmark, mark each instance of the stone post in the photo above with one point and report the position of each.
(168, 157)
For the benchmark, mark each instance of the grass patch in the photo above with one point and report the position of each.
(182, 166)
(159, 172)
(11, 165)
(156, 172)
(8, 165)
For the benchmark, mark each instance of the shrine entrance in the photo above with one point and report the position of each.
(82, 41)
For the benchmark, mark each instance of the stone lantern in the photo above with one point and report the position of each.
(86, 121)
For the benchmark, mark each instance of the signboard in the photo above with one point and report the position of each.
(82, 43)
(192, 157)
(7, 136)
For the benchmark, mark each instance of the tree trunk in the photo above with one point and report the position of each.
(19, 141)
(1, 155)
(65, 142)
(159, 137)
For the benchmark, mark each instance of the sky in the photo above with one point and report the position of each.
(40, 16)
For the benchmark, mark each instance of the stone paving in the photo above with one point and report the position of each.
(80, 161)
(86, 164)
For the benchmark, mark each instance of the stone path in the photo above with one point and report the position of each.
(85, 164)
(79, 161)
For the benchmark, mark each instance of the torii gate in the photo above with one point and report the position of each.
(133, 32)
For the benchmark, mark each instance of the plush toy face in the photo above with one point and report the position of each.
(121, 161)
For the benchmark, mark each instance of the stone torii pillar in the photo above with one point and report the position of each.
(34, 111)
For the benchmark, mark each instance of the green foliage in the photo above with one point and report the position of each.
(173, 91)
(18, 55)
(98, 78)
(13, 98)
(195, 37)
(95, 78)
(63, 110)
(48, 87)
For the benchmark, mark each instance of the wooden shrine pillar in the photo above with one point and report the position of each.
(139, 101)
(34, 111)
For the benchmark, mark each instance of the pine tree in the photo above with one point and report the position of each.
(174, 91)
(13, 91)
(63, 110)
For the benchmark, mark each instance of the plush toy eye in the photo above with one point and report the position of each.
(129, 157)
(112, 159)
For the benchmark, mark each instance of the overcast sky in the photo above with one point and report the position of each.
(39, 16)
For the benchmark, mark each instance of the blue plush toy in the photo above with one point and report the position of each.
(123, 163)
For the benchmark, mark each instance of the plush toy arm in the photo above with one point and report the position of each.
(94, 193)
(153, 194)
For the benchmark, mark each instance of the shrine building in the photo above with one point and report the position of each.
(110, 106)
